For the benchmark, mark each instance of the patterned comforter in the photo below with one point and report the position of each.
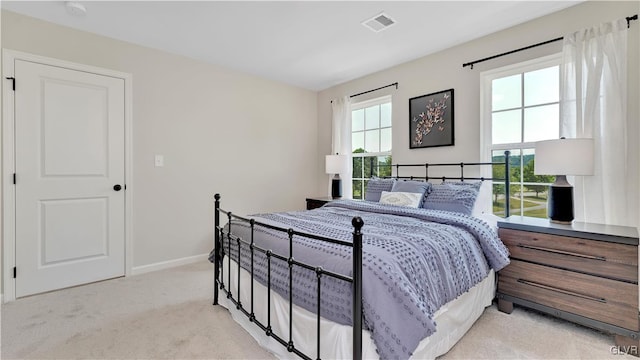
(414, 261)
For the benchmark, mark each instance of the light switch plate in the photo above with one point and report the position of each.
(159, 161)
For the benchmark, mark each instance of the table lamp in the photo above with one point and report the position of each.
(336, 164)
(563, 157)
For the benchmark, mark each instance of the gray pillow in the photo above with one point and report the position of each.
(453, 196)
(375, 187)
(412, 186)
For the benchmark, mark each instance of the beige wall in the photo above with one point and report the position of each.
(252, 140)
(444, 70)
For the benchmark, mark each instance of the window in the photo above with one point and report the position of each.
(521, 105)
(370, 142)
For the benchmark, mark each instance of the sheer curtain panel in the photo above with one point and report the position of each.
(341, 140)
(593, 88)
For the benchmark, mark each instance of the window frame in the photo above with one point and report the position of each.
(486, 131)
(363, 105)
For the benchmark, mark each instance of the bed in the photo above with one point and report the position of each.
(361, 279)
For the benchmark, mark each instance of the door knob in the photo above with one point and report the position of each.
(117, 187)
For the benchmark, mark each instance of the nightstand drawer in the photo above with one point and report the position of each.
(611, 260)
(606, 300)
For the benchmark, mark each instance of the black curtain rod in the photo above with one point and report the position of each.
(629, 19)
(381, 87)
(510, 52)
(376, 89)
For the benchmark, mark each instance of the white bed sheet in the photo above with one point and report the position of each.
(453, 320)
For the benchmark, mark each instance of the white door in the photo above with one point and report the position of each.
(69, 162)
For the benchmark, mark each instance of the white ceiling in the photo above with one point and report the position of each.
(310, 44)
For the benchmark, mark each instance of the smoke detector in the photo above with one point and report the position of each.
(75, 8)
(379, 22)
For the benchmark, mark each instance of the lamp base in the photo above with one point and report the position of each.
(561, 222)
(336, 188)
(560, 205)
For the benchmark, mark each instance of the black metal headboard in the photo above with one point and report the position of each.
(462, 177)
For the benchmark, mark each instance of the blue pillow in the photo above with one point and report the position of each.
(375, 187)
(412, 186)
(453, 196)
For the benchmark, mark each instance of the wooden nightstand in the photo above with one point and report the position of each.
(316, 202)
(585, 273)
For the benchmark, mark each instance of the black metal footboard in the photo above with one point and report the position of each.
(219, 284)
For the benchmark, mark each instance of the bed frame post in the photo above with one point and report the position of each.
(357, 287)
(507, 184)
(216, 246)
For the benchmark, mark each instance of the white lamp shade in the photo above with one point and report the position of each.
(336, 164)
(564, 157)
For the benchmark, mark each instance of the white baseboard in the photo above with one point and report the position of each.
(137, 270)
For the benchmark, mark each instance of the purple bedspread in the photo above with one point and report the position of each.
(414, 261)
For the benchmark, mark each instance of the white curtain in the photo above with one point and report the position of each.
(341, 140)
(593, 90)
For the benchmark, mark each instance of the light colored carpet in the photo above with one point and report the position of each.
(168, 315)
(161, 315)
(526, 334)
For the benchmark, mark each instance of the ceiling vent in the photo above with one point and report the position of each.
(379, 22)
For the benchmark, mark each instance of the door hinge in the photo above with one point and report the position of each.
(15, 272)
(13, 80)
(14, 178)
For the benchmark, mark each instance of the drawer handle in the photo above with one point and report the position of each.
(562, 291)
(562, 252)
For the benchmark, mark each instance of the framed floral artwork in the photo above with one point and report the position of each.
(431, 120)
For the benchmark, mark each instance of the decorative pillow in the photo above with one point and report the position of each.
(375, 187)
(408, 199)
(453, 196)
(484, 201)
(413, 186)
